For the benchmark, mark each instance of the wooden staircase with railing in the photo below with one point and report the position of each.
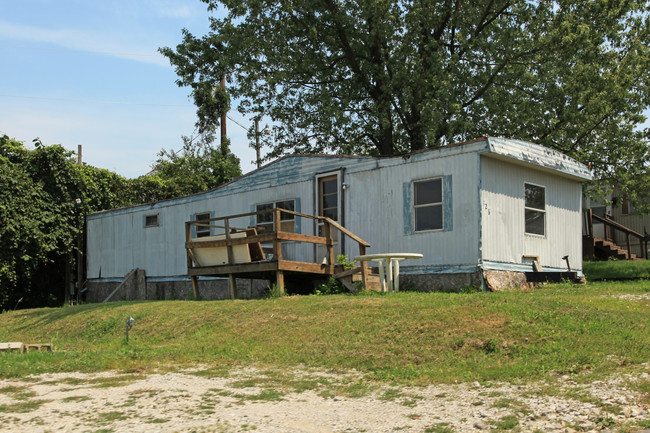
(610, 249)
(606, 248)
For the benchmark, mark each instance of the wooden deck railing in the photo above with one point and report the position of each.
(611, 225)
(277, 263)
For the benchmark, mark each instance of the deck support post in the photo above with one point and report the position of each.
(195, 287)
(279, 281)
(232, 284)
(327, 233)
(364, 267)
(277, 243)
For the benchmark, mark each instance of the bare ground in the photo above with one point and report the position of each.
(313, 401)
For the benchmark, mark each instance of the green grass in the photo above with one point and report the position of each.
(406, 337)
(505, 424)
(22, 406)
(616, 269)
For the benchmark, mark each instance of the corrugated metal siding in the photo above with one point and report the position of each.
(503, 223)
(377, 206)
(376, 201)
(118, 243)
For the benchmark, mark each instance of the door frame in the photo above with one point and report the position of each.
(338, 173)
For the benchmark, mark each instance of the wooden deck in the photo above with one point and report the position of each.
(229, 258)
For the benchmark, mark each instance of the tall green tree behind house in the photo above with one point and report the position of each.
(45, 196)
(197, 167)
(392, 76)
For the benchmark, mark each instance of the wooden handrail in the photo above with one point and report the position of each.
(617, 226)
(205, 223)
(346, 232)
(643, 240)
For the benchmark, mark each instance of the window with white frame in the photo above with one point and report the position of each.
(428, 205)
(535, 209)
(287, 220)
(203, 228)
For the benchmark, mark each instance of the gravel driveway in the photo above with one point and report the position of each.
(313, 401)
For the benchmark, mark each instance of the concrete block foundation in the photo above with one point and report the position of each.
(152, 290)
(141, 288)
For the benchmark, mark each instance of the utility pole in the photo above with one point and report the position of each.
(257, 143)
(80, 236)
(224, 147)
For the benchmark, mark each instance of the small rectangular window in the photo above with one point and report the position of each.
(203, 228)
(151, 221)
(428, 205)
(286, 220)
(535, 209)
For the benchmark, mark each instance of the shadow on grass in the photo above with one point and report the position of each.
(46, 316)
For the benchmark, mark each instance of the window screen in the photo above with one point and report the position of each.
(286, 219)
(535, 209)
(203, 230)
(428, 205)
(151, 221)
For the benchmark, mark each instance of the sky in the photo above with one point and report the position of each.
(88, 72)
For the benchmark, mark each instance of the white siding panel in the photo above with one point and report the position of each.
(375, 210)
(503, 222)
(120, 242)
(374, 206)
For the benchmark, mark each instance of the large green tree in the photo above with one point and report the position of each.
(393, 76)
(197, 167)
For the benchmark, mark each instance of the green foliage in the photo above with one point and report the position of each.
(196, 168)
(616, 269)
(274, 291)
(334, 286)
(389, 77)
(39, 221)
(331, 287)
(344, 261)
(45, 196)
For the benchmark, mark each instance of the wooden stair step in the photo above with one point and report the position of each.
(351, 276)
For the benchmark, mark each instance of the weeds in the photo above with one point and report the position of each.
(274, 291)
(22, 406)
(441, 427)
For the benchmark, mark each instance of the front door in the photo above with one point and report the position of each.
(329, 205)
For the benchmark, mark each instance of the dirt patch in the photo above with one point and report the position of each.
(218, 400)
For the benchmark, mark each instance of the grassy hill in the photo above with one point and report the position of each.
(405, 337)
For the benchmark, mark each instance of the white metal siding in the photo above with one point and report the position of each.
(375, 210)
(118, 243)
(503, 222)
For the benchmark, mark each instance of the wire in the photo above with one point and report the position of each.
(97, 101)
(237, 123)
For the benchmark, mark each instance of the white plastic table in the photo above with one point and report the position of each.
(390, 272)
